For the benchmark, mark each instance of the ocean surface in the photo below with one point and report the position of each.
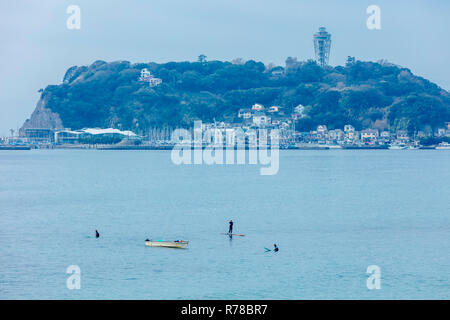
(332, 213)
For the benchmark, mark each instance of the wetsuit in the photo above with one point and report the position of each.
(230, 230)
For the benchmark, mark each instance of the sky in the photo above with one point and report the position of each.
(36, 47)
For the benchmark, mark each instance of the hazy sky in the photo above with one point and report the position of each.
(37, 48)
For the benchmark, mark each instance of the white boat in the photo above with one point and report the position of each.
(334, 146)
(443, 146)
(181, 244)
(397, 147)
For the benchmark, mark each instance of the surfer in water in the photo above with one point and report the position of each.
(97, 235)
(275, 248)
(230, 229)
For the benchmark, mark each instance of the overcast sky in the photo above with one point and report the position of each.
(37, 48)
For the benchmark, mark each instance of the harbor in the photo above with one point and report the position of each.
(229, 135)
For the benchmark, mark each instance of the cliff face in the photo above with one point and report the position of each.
(42, 118)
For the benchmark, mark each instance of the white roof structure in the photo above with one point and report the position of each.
(95, 131)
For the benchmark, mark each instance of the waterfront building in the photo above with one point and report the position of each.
(350, 133)
(369, 135)
(336, 135)
(67, 137)
(39, 135)
(402, 136)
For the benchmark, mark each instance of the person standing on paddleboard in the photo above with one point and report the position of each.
(230, 230)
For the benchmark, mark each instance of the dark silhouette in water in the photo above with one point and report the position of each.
(230, 230)
(275, 248)
(97, 235)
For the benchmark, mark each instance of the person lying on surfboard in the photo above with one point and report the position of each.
(230, 229)
(275, 248)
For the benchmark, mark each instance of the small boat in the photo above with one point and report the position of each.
(181, 244)
(334, 146)
(397, 147)
(443, 146)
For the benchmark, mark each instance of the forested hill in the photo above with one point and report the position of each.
(364, 94)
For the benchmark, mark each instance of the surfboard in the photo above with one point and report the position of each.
(267, 249)
(234, 234)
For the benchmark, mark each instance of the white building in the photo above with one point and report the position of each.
(322, 130)
(245, 113)
(336, 134)
(261, 119)
(146, 76)
(369, 134)
(274, 109)
(257, 107)
(349, 132)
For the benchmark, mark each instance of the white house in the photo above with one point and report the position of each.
(146, 76)
(245, 113)
(261, 119)
(349, 132)
(322, 130)
(257, 107)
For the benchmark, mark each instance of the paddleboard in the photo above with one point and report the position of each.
(234, 234)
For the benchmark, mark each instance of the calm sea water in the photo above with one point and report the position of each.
(332, 213)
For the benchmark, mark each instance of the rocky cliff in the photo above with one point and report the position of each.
(42, 118)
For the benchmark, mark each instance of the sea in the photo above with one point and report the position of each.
(336, 216)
